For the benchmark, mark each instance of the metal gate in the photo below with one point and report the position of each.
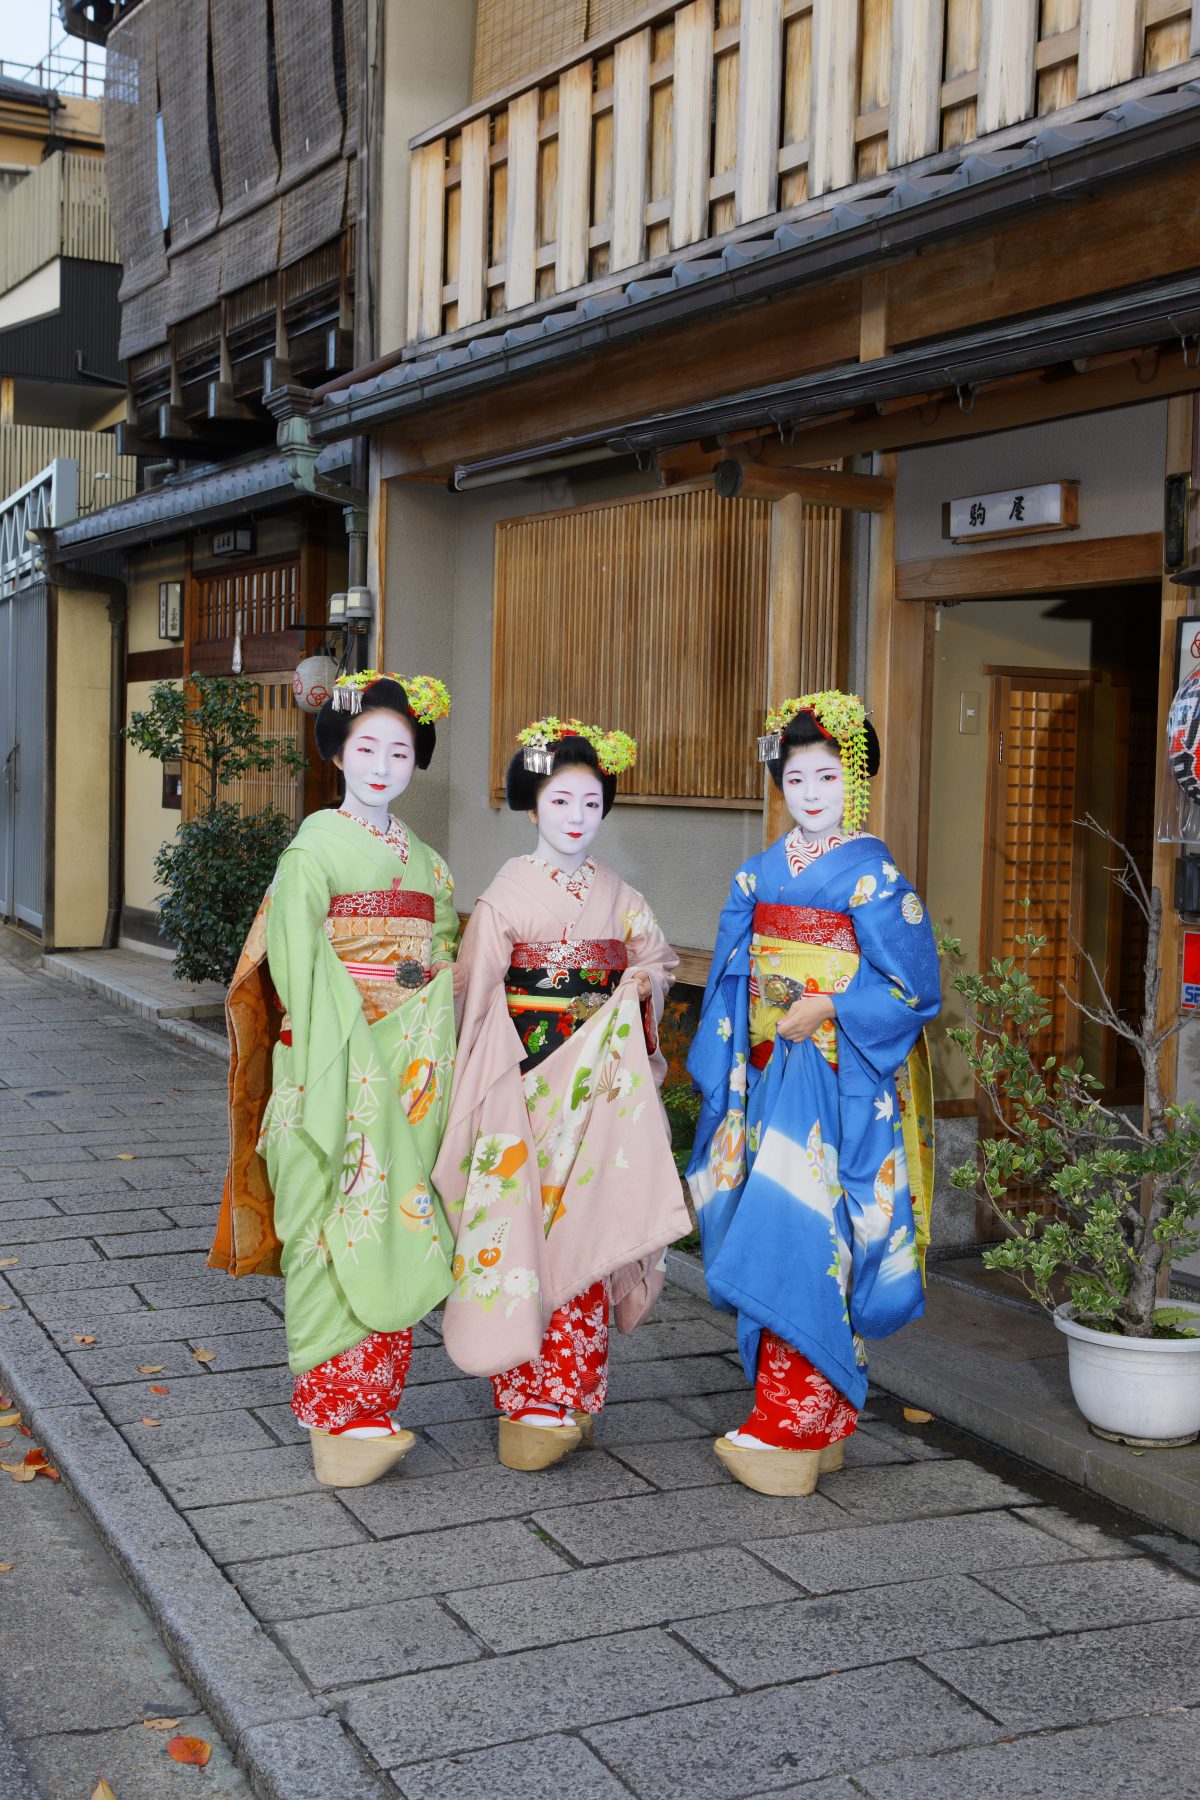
(22, 752)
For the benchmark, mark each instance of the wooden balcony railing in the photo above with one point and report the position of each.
(698, 119)
(61, 209)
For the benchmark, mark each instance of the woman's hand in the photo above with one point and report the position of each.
(642, 984)
(458, 976)
(804, 1017)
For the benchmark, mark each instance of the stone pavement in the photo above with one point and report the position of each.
(938, 1620)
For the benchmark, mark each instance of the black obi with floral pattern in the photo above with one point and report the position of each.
(554, 987)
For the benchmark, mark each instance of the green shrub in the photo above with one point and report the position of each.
(215, 873)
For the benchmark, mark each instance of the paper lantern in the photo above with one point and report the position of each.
(1183, 737)
(312, 684)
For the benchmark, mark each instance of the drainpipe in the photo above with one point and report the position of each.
(290, 406)
(118, 613)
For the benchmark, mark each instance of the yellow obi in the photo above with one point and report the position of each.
(384, 941)
(796, 950)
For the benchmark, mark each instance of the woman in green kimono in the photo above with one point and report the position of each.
(345, 985)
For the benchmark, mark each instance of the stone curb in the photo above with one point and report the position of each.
(60, 967)
(189, 1033)
(289, 1745)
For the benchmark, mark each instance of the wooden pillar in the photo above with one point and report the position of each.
(783, 634)
(1180, 457)
(897, 651)
(7, 390)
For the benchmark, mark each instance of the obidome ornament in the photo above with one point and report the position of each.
(1183, 737)
(312, 684)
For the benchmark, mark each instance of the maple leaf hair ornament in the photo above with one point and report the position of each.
(842, 720)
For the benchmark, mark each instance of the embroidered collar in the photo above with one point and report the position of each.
(802, 851)
(395, 837)
(578, 885)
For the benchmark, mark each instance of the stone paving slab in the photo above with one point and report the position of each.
(1104, 1762)
(760, 1646)
(769, 1739)
(653, 1523)
(138, 1324)
(1085, 1596)
(393, 1508)
(541, 1768)
(194, 1394)
(433, 1562)
(414, 1717)
(274, 1528)
(375, 1642)
(876, 1555)
(211, 1434)
(1079, 1679)
(554, 1609)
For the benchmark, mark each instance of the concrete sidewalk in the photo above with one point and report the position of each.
(938, 1620)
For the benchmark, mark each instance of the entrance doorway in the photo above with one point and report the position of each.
(23, 659)
(1044, 714)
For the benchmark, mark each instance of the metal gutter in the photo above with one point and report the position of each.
(987, 190)
(1160, 312)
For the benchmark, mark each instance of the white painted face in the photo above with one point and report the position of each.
(570, 811)
(378, 758)
(814, 788)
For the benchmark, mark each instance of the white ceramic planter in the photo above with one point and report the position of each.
(1137, 1390)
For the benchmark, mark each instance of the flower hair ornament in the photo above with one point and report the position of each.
(615, 751)
(428, 698)
(842, 719)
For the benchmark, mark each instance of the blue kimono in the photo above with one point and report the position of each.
(807, 1155)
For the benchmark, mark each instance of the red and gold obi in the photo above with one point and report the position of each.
(384, 941)
(797, 950)
(554, 987)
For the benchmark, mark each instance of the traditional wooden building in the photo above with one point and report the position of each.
(735, 348)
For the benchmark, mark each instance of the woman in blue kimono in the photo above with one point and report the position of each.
(813, 1162)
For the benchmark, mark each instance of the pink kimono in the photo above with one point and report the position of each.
(556, 1170)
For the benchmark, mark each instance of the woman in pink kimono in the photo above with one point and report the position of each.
(556, 1169)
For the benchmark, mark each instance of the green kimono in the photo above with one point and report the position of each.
(360, 1081)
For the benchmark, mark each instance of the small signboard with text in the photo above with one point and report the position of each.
(1189, 997)
(1048, 506)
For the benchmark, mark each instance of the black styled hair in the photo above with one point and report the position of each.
(803, 729)
(522, 787)
(333, 728)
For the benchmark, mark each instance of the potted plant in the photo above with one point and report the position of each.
(1126, 1193)
(218, 866)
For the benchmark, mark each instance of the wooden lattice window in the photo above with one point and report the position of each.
(650, 615)
(263, 600)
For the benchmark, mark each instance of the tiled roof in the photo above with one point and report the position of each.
(979, 188)
(188, 501)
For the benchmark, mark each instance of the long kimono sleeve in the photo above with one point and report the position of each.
(485, 954)
(896, 990)
(651, 955)
(445, 917)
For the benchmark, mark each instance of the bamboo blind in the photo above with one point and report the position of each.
(710, 115)
(649, 616)
(278, 717)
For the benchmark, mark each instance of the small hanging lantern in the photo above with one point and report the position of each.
(1183, 737)
(312, 684)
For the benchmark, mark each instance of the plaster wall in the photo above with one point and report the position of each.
(148, 823)
(1118, 459)
(423, 67)
(438, 616)
(81, 770)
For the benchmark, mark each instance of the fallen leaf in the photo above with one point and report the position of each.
(5, 1402)
(7, 1568)
(88, 1339)
(9, 1262)
(24, 1430)
(151, 1421)
(158, 1390)
(103, 1791)
(916, 1415)
(151, 1368)
(189, 1750)
(18, 1471)
(5, 1443)
(205, 1355)
(126, 1156)
(39, 1462)
(9, 1306)
(9, 1418)
(160, 1724)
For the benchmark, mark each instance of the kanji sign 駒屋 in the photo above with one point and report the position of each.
(1047, 506)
